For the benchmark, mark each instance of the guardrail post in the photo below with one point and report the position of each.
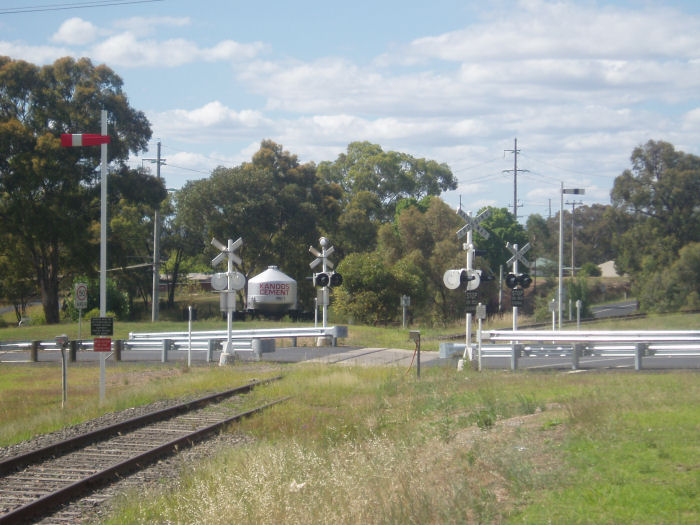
(294, 342)
(34, 351)
(576, 353)
(517, 349)
(211, 347)
(73, 350)
(639, 350)
(118, 347)
(257, 347)
(167, 345)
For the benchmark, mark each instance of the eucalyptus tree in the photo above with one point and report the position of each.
(391, 176)
(48, 194)
(276, 204)
(659, 200)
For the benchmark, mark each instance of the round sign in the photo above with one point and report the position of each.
(237, 281)
(81, 292)
(219, 281)
(475, 280)
(452, 279)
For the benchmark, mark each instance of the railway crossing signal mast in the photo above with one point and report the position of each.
(228, 284)
(453, 279)
(326, 278)
(516, 281)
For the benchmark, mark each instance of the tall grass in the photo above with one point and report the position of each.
(30, 395)
(377, 446)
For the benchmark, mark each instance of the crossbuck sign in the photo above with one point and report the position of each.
(518, 254)
(473, 223)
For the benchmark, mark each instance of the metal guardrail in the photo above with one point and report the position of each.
(252, 341)
(574, 344)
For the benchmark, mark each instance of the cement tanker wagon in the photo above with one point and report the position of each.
(272, 293)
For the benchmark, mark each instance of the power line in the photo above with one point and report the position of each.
(72, 5)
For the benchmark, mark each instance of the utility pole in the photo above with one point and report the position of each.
(156, 246)
(515, 171)
(573, 207)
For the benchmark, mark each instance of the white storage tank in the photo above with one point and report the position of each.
(272, 292)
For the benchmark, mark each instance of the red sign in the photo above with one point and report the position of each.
(102, 344)
(83, 139)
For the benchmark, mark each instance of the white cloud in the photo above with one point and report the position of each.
(75, 32)
(209, 123)
(563, 29)
(34, 54)
(127, 50)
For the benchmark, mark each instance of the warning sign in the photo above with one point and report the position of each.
(102, 344)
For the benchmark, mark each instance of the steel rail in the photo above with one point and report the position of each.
(16, 462)
(40, 506)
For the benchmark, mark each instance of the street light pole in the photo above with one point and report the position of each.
(561, 251)
(574, 191)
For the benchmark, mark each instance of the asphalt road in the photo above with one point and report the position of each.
(615, 309)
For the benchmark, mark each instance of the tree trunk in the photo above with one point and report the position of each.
(47, 269)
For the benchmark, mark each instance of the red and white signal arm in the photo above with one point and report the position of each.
(83, 139)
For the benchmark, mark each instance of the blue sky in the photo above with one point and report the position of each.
(579, 83)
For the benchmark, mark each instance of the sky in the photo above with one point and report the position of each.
(579, 84)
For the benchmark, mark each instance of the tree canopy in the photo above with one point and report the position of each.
(49, 194)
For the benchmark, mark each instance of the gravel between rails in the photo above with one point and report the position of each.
(92, 508)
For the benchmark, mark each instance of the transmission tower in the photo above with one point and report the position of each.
(515, 171)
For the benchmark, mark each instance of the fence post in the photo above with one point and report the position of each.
(639, 351)
(118, 347)
(515, 355)
(576, 353)
(73, 350)
(34, 351)
(167, 345)
(211, 347)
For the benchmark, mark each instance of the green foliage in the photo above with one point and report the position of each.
(276, 204)
(590, 269)
(578, 290)
(117, 300)
(391, 176)
(50, 194)
(371, 290)
(671, 288)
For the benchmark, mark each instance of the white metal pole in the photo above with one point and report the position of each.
(229, 290)
(189, 336)
(103, 245)
(103, 221)
(515, 271)
(468, 335)
(561, 251)
(478, 339)
(324, 290)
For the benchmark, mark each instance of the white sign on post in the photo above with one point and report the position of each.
(81, 296)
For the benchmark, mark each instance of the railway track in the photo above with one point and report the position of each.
(34, 484)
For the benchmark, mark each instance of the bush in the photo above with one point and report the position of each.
(117, 301)
(591, 269)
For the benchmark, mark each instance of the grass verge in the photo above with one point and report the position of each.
(30, 395)
(377, 446)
